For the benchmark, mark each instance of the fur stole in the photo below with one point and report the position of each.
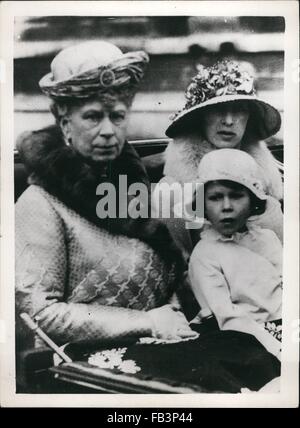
(183, 155)
(62, 172)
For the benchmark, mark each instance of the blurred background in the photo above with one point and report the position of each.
(175, 44)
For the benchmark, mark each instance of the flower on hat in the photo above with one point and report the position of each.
(225, 81)
(223, 78)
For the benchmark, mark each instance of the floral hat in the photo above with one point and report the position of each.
(225, 81)
(92, 67)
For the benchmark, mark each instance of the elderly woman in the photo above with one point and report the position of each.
(82, 277)
(222, 111)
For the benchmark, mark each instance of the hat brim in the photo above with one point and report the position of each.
(127, 69)
(270, 116)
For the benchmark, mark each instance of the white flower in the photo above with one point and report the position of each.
(220, 91)
(100, 361)
(108, 359)
(129, 366)
(246, 86)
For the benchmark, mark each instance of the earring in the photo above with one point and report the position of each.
(68, 141)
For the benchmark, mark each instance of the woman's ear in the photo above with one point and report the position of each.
(65, 127)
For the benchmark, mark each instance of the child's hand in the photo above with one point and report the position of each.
(170, 323)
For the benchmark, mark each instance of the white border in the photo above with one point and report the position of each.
(288, 397)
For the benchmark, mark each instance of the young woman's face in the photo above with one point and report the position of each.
(227, 207)
(97, 131)
(224, 124)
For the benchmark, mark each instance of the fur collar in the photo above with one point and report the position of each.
(62, 172)
(183, 155)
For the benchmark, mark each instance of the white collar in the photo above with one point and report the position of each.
(213, 235)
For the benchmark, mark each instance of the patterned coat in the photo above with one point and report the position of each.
(79, 280)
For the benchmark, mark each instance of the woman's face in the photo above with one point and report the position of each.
(227, 207)
(224, 124)
(97, 131)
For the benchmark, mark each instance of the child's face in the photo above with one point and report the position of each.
(225, 124)
(226, 207)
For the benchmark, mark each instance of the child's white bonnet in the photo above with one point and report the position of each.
(233, 165)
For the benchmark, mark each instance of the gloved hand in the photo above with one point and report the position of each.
(169, 323)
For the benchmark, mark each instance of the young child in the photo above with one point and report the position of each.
(236, 267)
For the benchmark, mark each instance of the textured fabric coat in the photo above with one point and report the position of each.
(81, 277)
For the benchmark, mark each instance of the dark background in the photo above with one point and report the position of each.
(176, 44)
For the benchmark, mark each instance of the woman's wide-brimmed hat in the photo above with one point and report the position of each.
(225, 81)
(83, 70)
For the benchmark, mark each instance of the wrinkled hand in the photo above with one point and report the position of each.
(169, 323)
